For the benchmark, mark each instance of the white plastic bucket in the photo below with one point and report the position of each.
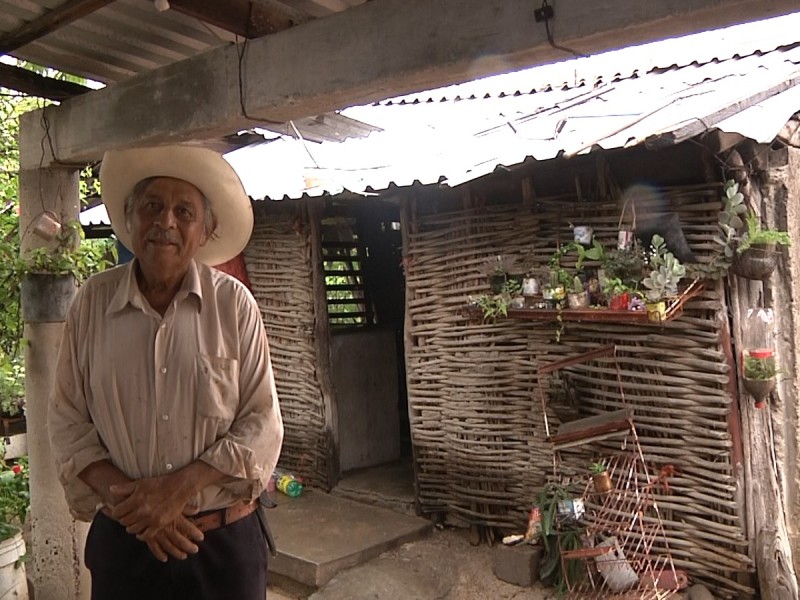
(13, 580)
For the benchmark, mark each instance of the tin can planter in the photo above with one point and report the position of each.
(602, 482)
(46, 297)
(757, 262)
(579, 300)
(656, 311)
(619, 301)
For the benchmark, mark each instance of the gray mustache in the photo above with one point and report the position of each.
(161, 235)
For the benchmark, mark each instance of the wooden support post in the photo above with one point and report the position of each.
(322, 340)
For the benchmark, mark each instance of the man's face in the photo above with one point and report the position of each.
(168, 225)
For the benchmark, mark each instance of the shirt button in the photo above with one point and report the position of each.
(165, 417)
(168, 466)
(163, 370)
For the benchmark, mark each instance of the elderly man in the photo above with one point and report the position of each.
(164, 421)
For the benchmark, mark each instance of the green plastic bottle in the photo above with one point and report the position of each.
(288, 484)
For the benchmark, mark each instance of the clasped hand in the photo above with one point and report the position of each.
(156, 513)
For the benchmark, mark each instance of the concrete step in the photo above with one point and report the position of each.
(319, 535)
(388, 486)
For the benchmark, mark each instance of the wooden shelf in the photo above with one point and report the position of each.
(597, 315)
(592, 429)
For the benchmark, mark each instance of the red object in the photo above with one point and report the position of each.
(761, 404)
(760, 352)
(17, 469)
(236, 267)
(619, 302)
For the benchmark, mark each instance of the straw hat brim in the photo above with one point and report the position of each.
(207, 170)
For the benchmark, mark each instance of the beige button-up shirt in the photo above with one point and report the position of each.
(152, 394)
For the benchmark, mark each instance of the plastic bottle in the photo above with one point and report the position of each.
(288, 484)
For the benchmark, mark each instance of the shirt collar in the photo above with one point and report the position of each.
(128, 290)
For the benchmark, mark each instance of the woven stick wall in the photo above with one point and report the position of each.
(278, 262)
(476, 417)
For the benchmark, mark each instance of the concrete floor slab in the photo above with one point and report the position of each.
(318, 535)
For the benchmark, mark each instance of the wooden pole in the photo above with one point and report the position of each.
(322, 340)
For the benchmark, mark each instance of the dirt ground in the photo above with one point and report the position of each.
(443, 566)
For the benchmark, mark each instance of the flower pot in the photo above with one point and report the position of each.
(530, 286)
(13, 580)
(757, 262)
(554, 294)
(619, 301)
(496, 283)
(582, 234)
(46, 297)
(602, 482)
(759, 389)
(656, 311)
(579, 300)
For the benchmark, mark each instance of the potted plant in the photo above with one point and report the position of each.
(12, 394)
(756, 256)
(626, 264)
(729, 221)
(14, 506)
(554, 291)
(497, 305)
(617, 293)
(49, 277)
(497, 269)
(600, 477)
(578, 296)
(662, 282)
(760, 374)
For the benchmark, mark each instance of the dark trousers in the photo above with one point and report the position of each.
(231, 565)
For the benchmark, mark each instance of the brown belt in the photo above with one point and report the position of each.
(215, 519)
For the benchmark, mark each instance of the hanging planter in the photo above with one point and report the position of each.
(756, 256)
(756, 262)
(46, 297)
(758, 356)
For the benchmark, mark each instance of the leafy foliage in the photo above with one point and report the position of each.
(12, 384)
(15, 497)
(667, 271)
(760, 368)
(496, 305)
(756, 234)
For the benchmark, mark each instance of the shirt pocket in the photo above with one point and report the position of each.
(218, 387)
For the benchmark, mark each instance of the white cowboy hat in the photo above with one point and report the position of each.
(205, 169)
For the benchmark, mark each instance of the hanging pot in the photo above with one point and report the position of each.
(496, 283)
(757, 262)
(46, 297)
(759, 389)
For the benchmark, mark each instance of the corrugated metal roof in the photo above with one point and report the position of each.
(127, 37)
(434, 137)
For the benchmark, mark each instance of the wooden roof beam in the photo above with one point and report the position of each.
(242, 17)
(370, 52)
(33, 84)
(68, 12)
